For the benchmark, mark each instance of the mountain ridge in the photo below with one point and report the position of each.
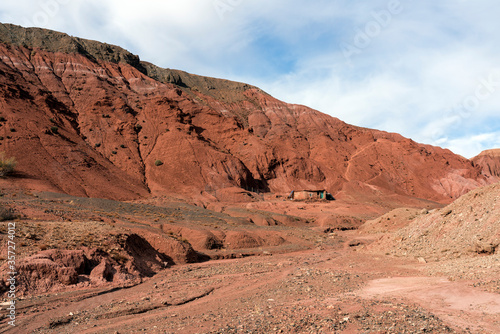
(48, 40)
(159, 131)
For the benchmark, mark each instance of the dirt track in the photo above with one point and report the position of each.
(337, 289)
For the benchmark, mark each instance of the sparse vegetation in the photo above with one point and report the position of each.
(7, 165)
(6, 214)
(54, 129)
(158, 163)
(114, 152)
(120, 258)
(138, 127)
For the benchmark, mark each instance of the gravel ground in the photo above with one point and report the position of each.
(319, 291)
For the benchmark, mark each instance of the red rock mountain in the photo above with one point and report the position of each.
(91, 119)
(489, 161)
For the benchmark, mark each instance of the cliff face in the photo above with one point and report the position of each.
(489, 161)
(90, 119)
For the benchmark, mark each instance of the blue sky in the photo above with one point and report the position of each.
(429, 70)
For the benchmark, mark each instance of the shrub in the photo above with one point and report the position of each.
(158, 163)
(54, 129)
(6, 214)
(120, 258)
(7, 165)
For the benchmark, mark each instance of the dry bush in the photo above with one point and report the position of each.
(6, 214)
(7, 165)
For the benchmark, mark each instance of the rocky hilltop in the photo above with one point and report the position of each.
(91, 119)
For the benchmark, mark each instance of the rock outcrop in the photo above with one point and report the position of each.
(56, 269)
(489, 161)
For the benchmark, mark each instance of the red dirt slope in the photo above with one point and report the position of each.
(468, 226)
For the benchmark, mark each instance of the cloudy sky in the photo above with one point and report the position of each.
(427, 69)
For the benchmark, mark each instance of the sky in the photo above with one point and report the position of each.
(429, 70)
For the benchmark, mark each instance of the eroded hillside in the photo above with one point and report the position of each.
(90, 119)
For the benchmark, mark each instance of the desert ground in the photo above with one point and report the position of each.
(301, 278)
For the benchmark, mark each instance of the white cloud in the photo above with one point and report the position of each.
(410, 79)
(470, 146)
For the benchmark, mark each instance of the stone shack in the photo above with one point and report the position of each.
(302, 195)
